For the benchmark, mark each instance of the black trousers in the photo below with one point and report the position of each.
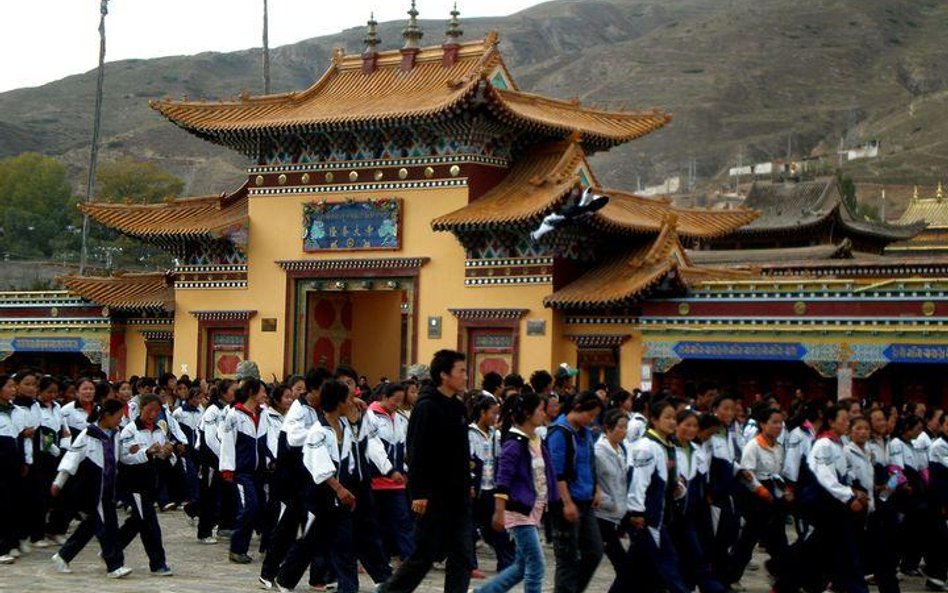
(8, 536)
(144, 522)
(217, 502)
(322, 536)
(44, 468)
(765, 523)
(286, 524)
(577, 548)
(881, 558)
(611, 544)
(442, 532)
(103, 524)
(499, 541)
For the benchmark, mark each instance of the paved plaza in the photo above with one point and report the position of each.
(203, 568)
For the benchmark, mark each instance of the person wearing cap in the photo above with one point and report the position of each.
(563, 381)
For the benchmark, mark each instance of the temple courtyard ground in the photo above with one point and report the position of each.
(205, 569)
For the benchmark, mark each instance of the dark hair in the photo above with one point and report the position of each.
(294, 379)
(164, 378)
(706, 386)
(657, 407)
(24, 373)
(517, 408)
(763, 413)
(541, 380)
(442, 363)
(720, 399)
(686, 414)
(617, 398)
(276, 394)
(832, 412)
(478, 405)
(82, 380)
(46, 382)
(612, 418)
(146, 382)
(102, 391)
(390, 389)
(708, 421)
(905, 424)
(332, 394)
(857, 419)
(106, 408)
(640, 400)
(118, 384)
(513, 380)
(810, 411)
(4, 379)
(585, 402)
(194, 391)
(147, 400)
(316, 377)
(249, 387)
(492, 381)
(345, 370)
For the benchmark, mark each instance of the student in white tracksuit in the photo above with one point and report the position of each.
(216, 497)
(280, 400)
(27, 412)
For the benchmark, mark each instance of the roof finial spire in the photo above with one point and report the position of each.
(940, 192)
(454, 31)
(915, 192)
(412, 33)
(371, 35)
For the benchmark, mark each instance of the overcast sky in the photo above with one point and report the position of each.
(46, 40)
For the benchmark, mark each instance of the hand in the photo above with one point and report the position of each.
(227, 476)
(637, 522)
(398, 478)
(788, 496)
(153, 450)
(856, 505)
(180, 448)
(570, 512)
(764, 494)
(597, 498)
(134, 448)
(346, 498)
(54, 490)
(497, 522)
(419, 506)
(28, 432)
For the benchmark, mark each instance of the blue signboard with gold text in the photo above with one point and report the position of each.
(351, 225)
(740, 350)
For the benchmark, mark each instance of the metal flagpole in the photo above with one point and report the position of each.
(94, 155)
(266, 53)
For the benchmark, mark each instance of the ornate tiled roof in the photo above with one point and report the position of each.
(541, 181)
(348, 95)
(843, 250)
(630, 276)
(535, 185)
(792, 207)
(152, 290)
(933, 211)
(211, 216)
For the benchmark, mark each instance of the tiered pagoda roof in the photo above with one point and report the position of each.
(809, 212)
(126, 292)
(541, 182)
(659, 265)
(436, 87)
(175, 220)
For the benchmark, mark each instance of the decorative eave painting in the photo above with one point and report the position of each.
(352, 225)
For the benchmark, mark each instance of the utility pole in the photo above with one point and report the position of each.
(266, 53)
(94, 153)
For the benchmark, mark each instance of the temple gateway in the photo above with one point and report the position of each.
(386, 214)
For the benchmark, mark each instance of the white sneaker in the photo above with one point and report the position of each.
(210, 540)
(14, 552)
(265, 584)
(43, 543)
(60, 539)
(60, 564)
(7, 559)
(121, 571)
(25, 547)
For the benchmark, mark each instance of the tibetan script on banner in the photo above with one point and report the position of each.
(917, 353)
(740, 350)
(351, 225)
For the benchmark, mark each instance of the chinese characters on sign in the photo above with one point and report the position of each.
(373, 224)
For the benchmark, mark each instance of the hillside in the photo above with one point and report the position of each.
(740, 76)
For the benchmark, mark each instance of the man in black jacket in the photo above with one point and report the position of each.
(439, 480)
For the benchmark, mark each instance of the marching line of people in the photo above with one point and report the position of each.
(333, 475)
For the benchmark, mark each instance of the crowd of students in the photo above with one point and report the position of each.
(333, 475)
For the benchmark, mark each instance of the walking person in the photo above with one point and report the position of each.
(577, 543)
(214, 495)
(91, 462)
(525, 485)
(280, 400)
(612, 476)
(881, 557)
(11, 466)
(439, 480)
(144, 448)
(188, 416)
(27, 413)
(243, 458)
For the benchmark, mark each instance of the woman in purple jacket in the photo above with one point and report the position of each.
(524, 485)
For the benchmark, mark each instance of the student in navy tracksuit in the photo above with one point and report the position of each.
(27, 410)
(280, 400)
(91, 463)
(291, 477)
(244, 456)
(725, 455)
(327, 456)
(51, 438)
(881, 557)
(391, 501)
(652, 560)
(144, 447)
(936, 567)
(839, 509)
(215, 494)
(11, 464)
(188, 417)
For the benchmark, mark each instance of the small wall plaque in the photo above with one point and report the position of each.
(434, 327)
(268, 324)
(536, 327)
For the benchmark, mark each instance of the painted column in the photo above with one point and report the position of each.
(844, 381)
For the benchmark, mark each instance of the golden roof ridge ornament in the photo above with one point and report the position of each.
(372, 39)
(412, 33)
(454, 32)
(940, 192)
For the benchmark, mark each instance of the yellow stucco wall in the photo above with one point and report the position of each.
(136, 355)
(275, 234)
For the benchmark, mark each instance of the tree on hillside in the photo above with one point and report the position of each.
(36, 206)
(138, 181)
